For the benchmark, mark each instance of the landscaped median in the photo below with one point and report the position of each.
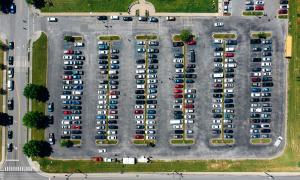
(253, 13)
(109, 38)
(224, 36)
(262, 34)
(146, 37)
(39, 77)
(260, 141)
(222, 141)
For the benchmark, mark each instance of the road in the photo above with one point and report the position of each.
(17, 29)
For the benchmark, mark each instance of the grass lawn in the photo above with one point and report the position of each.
(261, 141)
(109, 38)
(88, 6)
(192, 6)
(224, 36)
(146, 37)
(39, 76)
(289, 161)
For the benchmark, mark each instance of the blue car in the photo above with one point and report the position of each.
(12, 9)
(152, 91)
(150, 111)
(76, 102)
(66, 102)
(100, 117)
(150, 116)
(113, 102)
(78, 87)
(113, 106)
(266, 90)
(255, 89)
(178, 80)
(114, 66)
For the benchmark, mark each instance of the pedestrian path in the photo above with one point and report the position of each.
(17, 169)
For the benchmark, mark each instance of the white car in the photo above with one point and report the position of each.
(255, 109)
(217, 121)
(278, 141)
(151, 96)
(218, 41)
(101, 102)
(189, 111)
(215, 100)
(218, 54)
(190, 91)
(112, 137)
(150, 121)
(139, 116)
(78, 44)
(255, 74)
(114, 62)
(101, 150)
(139, 106)
(140, 66)
(151, 106)
(114, 17)
(52, 19)
(266, 59)
(150, 132)
(101, 97)
(101, 112)
(66, 132)
(229, 110)
(266, 69)
(141, 50)
(229, 60)
(218, 65)
(255, 105)
(177, 126)
(101, 106)
(189, 121)
(113, 97)
(101, 42)
(111, 132)
(152, 81)
(179, 70)
(67, 57)
(150, 137)
(140, 43)
(214, 126)
(267, 73)
(255, 94)
(189, 116)
(10, 72)
(249, 2)
(78, 82)
(259, 2)
(68, 62)
(103, 52)
(152, 76)
(218, 24)
(189, 131)
(228, 80)
(178, 60)
(266, 64)
(112, 117)
(217, 105)
(218, 80)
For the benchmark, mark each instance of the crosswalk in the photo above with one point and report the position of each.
(17, 169)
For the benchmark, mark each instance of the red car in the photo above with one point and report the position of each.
(189, 106)
(192, 42)
(114, 93)
(229, 54)
(67, 112)
(113, 112)
(138, 112)
(177, 91)
(179, 86)
(218, 85)
(69, 51)
(259, 8)
(282, 11)
(138, 137)
(254, 79)
(67, 77)
(76, 127)
(178, 96)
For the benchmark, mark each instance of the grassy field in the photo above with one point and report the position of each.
(39, 76)
(192, 6)
(87, 6)
(289, 161)
(1, 98)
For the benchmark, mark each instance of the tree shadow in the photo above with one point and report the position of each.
(46, 149)
(43, 94)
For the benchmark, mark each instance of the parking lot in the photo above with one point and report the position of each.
(203, 28)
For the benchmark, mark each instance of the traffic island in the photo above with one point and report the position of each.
(261, 141)
(146, 37)
(143, 142)
(224, 36)
(261, 35)
(180, 142)
(106, 142)
(109, 38)
(222, 142)
(253, 13)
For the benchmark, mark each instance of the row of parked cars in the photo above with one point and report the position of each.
(184, 94)
(71, 97)
(145, 111)
(223, 87)
(261, 88)
(10, 101)
(254, 5)
(130, 18)
(108, 93)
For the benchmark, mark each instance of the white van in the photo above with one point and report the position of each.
(112, 72)
(229, 49)
(140, 86)
(52, 19)
(218, 75)
(65, 122)
(228, 90)
(175, 121)
(10, 85)
(114, 17)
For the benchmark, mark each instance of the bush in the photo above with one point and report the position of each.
(66, 143)
(37, 92)
(186, 35)
(35, 148)
(36, 120)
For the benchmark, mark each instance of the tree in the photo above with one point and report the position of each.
(35, 148)
(66, 143)
(35, 119)
(186, 35)
(37, 3)
(37, 92)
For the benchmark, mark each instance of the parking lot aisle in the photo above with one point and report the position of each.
(237, 7)
(146, 87)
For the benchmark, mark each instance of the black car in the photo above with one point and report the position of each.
(216, 131)
(114, 57)
(140, 61)
(256, 59)
(143, 18)
(265, 120)
(103, 62)
(112, 76)
(11, 45)
(140, 126)
(218, 90)
(140, 102)
(255, 121)
(112, 127)
(229, 95)
(256, 69)
(217, 95)
(267, 78)
(249, 8)
(227, 75)
(230, 69)
(10, 60)
(178, 116)
(231, 42)
(254, 115)
(139, 132)
(178, 112)
(230, 131)
(191, 76)
(217, 116)
(254, 99)
(103, 56)
(217, 49)
(178, 44)
(178, 55)
(10, 147)
(112, 122)
(126, 18)
(102, 18)
(139, 91)
(265, 130)
(152, 66)
(229, 105)
(50, 119)
(178, 131)
(154, 61)
(267, 84)
(10, 120)
(153, 19)
(10, 134)
(77, 137)
(226, 101)
(151, 101)
(10, 104)
(140, 97)
(268, 53)
(189, 70)
(112, 82)
(255, 41)
(218, 69)
(100, 137)
(218, 59)
(191, 66)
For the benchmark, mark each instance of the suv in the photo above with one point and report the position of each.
(10, 60)
(50, 107)
(102, 18)
(51, 139)
(10, 147)
(11, 45)
(10, 134)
